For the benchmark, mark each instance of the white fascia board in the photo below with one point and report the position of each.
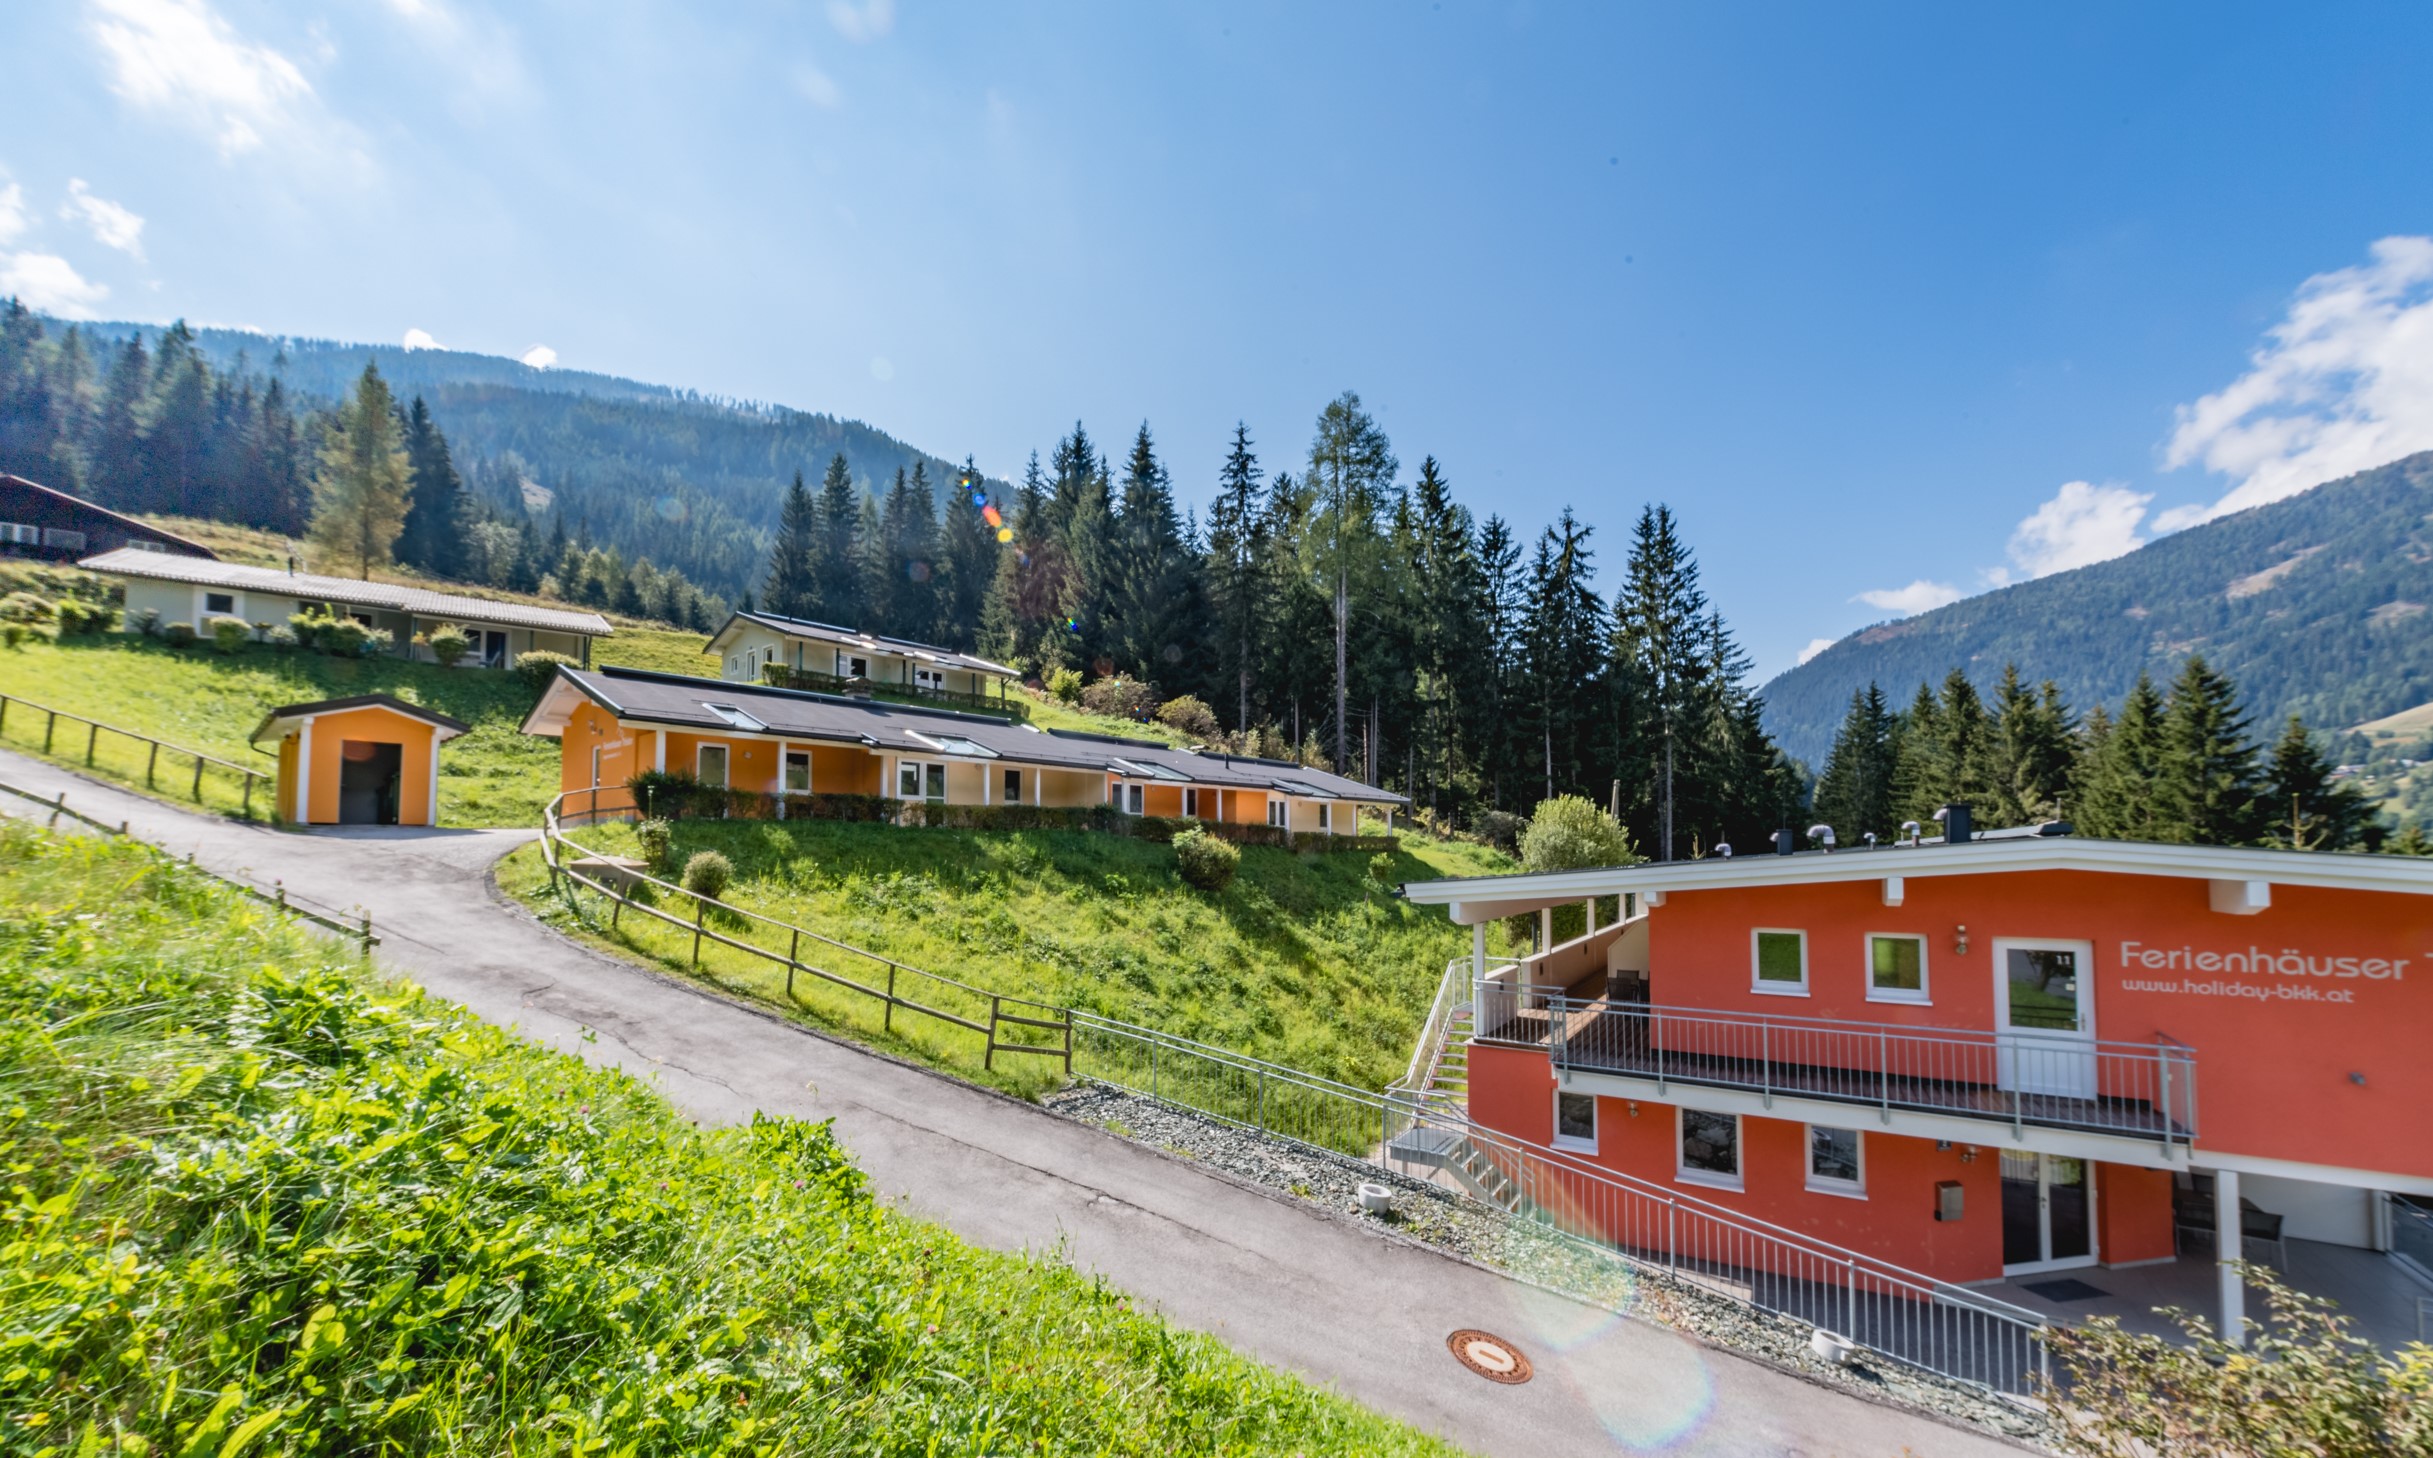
(1526, 891)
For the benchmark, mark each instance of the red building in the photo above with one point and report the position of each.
(1985, 1057)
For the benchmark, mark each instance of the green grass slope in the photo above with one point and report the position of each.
(1308, 959)
(265, 1204)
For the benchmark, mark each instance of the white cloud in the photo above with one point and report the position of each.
(420, 339)
(179, 56)
(1816, 646)
(2083, 523)
(540, 356)
(864, 22)
(112, 225)
(817, 87)
(49, 283)
(13, 217)
(2343, 383)
(882, 368)
(1919, 596)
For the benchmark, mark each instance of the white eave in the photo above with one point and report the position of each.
(2250, 871)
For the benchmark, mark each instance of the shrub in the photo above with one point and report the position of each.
(281, 637)
(1191, 716)
(1119, 696)
(24, 607)
(538, 667)
(656, 837)
(1381, 868)
(148, 622)
(14, 634)
(179, 635)
(448, 646)
(229, 634)
(1064, 685)
(1570, 833)
(708, 874)
(307, 627)
(1205, 861)
(346, 638)
(1499, 828)
(77, 616)
(664, 794)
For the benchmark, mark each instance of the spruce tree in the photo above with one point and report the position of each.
(359, 496)
(1565, 638)
(2029, 753)
(967, 557)
(836, 579)
(2304, 807)
(1089, 582)
(2120, 763)
(1022, 597)
(176, 427)
(437, 511)
(1854, 794)
(1659, 618)
(1151, 595)
(1237, 549)
(790, 588)
(115, 460)
(2206, 791)
(1351, 468)
(874, 565)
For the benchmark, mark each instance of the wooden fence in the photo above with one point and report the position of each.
(122, 764)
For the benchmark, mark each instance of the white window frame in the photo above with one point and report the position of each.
(785, 771)
(67, 537)
(1828, 1184)
(1132, 799)
(1759, 984)
(1279, 812)
(235, 608)
(1013, 786)
(1925, 991)
(20, 534)
(1682, 1173)
(726, 764)
(920, 769)
(1574, 1141)
(1326, 817)
(929, 680)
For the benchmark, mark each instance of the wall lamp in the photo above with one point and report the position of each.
(1959, 941)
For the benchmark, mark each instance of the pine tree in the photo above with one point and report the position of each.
(1237, 551)
(2206, 791)
(115, 459)
(967, 558)
(1151, 597)
(836, 579)
(1351, 467)
(2304, 807)
(791, 587)
(2029, 753)
(1022, 596)
(1854, 794)
(2120, 762)
(1089, 582)
(437, 510)
(1660, 616)
(176, 427)
(359, 496)
(1564, 638)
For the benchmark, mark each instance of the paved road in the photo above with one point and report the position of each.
(1288, 1284)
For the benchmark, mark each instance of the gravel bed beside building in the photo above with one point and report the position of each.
(1451, 1221)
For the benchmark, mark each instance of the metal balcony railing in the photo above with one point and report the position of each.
(778, 675)
(2019, 1078)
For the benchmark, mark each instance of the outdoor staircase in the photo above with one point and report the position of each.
(1447, 1083)
(1431, 1147)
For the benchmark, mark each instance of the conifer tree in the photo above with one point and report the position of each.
(1351, 468)
(1491, 724)
(359, 495)
(2304, 807)
(1237, 552)
(1152, 596)
(1854, 794)
(2206, 791)
(1659, 617)
(836, 579)
(1565, 640)
(1089, 583)
(437, 511)
(791, 589)
(967, 558)
(115, 460)
(2120, 763)
(2029, 753)
(1022, 596)
(874, 565)
(176, 427)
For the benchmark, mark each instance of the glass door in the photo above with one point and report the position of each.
(2044, 1008)
(2048, 1213)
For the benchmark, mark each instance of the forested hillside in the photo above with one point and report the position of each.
(2315, 605)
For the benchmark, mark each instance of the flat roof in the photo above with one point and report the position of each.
(354, 592)
(855, 638)
(680, 701)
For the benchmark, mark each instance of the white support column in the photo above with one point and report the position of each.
(1478, 956)
(1590, 907)
(1039, 789)
(434, 821)
(659, 750)
(987, 768)
(304, 772)
(2229, 1250)
(1545, 927)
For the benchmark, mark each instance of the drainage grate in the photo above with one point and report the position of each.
(2068, 1288)
(1490, 1357)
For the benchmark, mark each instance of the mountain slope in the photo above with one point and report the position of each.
(689, 481)
(2316, 605)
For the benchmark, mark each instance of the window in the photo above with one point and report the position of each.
(929, 680)
(59, 537)
(852, 667)
(798, 771)
(1191, 802)
(18, 532)
(1779, 962)
(1575, 1121)
(1836, 1165)
(1130, 799)
(736, 716)
(1276, 811)
(1710, 1149)
(1013, 787)
(1326, 817)
(596, 752)
(920, 780)
(1896, 969)
(710, 765)
(219, 602)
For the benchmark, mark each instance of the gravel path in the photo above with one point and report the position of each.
(1451, 1221)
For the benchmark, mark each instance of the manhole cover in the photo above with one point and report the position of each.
(1489, 1356)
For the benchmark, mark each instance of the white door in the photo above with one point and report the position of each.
(2044, 1016)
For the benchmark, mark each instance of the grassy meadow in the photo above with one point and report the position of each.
(1308, 958)
(267, 1203)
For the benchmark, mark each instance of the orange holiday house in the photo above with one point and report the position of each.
(366, 760)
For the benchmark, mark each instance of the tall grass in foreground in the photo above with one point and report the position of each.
(265, 1204)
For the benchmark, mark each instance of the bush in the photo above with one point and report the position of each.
(656, 837)
(665, 794)
(179, 635)
(229, 634)
(14, 634)
(77, 616)
(1205, 861)
(1381, 868)
(148, 622)
(1499, 828)
(1569, 833)
(1119, 696)
(1191, 716)
(1064, 685)
(307, 627)
(708, 874)
(538, 667)
(24, 607)
(448, 646)
(281, 637)
(345, 638)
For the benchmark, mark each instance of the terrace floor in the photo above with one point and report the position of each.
(1602, 1039)
(2378, 1296)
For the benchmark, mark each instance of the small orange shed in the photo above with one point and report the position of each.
(366, 760)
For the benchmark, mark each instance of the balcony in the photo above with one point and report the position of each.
(778, 675)
(2143, 1091)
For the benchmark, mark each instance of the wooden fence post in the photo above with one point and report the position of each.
(988, 1059)
(887, 1018)
(59, 806)
(49, 725)
(700, 908)
(249, 797)
(794, 954)
(92, 740)
(198, 779)
(151, 762)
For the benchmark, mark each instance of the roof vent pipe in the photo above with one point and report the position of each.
(1783, 842)
(1909, 832)
(1821, 835)
(1956, 827)
(1723, 848)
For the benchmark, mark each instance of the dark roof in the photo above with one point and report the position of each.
(682, 701)
(143, 529)
(390, 702)
(855, 638)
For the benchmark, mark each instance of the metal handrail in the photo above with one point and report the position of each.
(95, 728)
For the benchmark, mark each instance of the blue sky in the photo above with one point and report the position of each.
(1890, 302)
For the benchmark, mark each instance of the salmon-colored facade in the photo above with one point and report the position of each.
(370, 760)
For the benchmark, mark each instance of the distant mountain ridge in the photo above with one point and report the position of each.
(691, 481)
(2315, 605)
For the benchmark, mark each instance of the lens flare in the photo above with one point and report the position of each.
(917, 571)
(668, 508)
(1005, 534)
(990, 515)
(1072, 625)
